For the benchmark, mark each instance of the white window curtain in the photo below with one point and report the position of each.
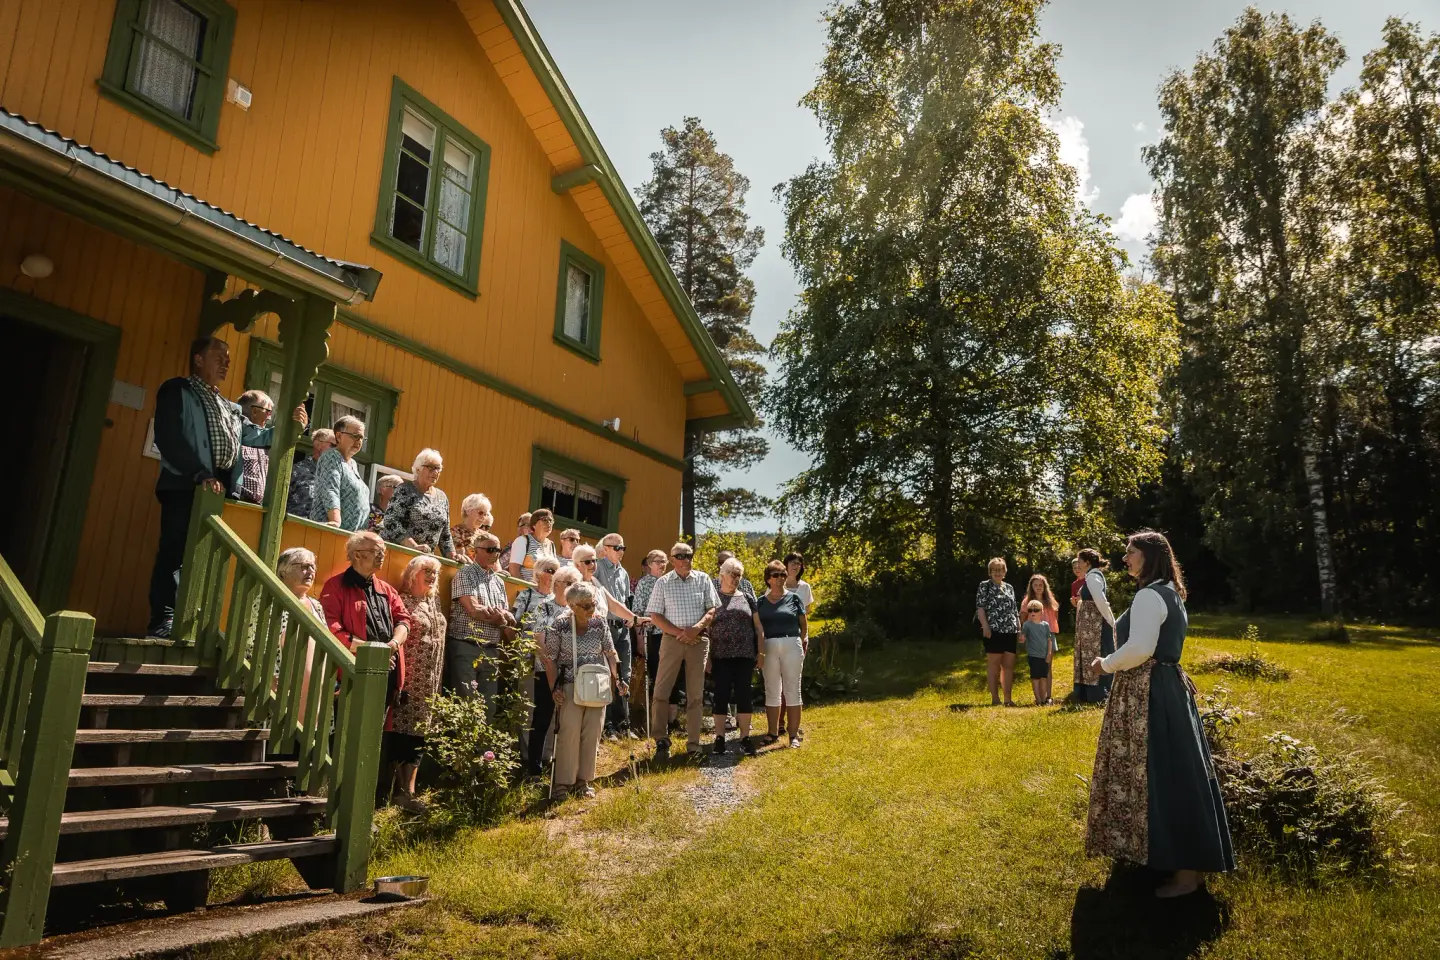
(162, 75)
(577, 303)
(457, 173)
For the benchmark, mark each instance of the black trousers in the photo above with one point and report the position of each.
(539, 724)
(733, 679)
(170, 552)
(617, 715)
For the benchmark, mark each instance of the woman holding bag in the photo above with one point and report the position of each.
(577, 646)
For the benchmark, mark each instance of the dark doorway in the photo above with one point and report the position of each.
(47, 370)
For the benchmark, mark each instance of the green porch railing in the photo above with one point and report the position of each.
(42, 677)
(265, 622)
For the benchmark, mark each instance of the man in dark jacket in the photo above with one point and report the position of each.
(199, 434)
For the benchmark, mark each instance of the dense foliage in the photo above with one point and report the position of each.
(967, 368)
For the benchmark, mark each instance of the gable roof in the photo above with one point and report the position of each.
(582, 169)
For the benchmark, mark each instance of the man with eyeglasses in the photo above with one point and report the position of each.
(612, 576)
(479, 615)
(682, 605)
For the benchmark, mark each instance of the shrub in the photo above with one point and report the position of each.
(832, 667)
(1331, 631)
(1252, 664)
(476, 761)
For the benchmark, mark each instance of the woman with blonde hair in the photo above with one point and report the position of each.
(1000, 625)
(1039, 589)
(424, 654)
(476, 516)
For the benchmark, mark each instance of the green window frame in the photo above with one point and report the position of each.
(550, 473)
(426, 206)
(332, 385)
(579, 330)
(135, 45)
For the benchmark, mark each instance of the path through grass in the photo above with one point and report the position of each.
(918, 822)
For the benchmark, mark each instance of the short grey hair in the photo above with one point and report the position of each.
(611, 539)
(476, 501)
(582, 591)
(564, 577)
(583, 552)
(358, 539)
(733, 567)
(389, 480)
(322, 435)
(547, 565)
(424, 455)
(251, 396)
(348, 424)
(292, 557)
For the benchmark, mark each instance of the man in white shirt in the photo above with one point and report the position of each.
(682, 605)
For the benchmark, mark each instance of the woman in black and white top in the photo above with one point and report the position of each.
(1000, 624)
(577, 729)
(1094, 629)
(528, 548)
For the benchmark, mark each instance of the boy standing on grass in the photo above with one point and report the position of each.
(1039, 650)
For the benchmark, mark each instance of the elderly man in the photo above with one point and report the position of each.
(745, 585)
(612, 577)
(360, 607)
(302, 475)
(479, 616)
(199, 434)
(682, 604)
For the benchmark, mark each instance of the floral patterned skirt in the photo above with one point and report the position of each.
(1092, 638)
(1119, 822)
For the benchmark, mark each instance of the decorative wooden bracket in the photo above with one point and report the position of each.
(240, 311)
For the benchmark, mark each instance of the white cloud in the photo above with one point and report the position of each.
(1139, 127)
(1138, 219)
(1075, 150)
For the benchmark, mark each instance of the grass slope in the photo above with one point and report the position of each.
(918, 823)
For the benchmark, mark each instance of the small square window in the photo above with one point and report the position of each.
(579, 302)
(579, 495)
(167, 61)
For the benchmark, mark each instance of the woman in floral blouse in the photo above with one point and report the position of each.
(424, 653)
(734, 651)
(419, 514)
(340, 496)
(1000, 623)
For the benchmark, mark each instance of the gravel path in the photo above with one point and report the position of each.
(718, 791)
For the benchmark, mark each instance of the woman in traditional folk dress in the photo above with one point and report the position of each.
(1094, 633)
(1154, 798)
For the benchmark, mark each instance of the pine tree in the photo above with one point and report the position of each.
(694, 204)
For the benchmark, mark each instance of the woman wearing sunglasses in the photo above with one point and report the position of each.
(577, 731)
(787, 640)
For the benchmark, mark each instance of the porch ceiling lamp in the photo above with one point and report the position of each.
(37, 266)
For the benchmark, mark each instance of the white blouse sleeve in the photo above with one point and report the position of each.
(1147, 613)
(1096, 582)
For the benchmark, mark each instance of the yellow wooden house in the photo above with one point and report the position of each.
(392, 210)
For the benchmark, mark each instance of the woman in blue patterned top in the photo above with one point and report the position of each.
(1000, 623)
(341, 498)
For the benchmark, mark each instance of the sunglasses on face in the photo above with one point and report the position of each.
(619, 549)
(485, 527)
(432, 466)
(569, 539)
(681, 556)
(588, 563)
(585, 605)
(487, 549)
(777, 575)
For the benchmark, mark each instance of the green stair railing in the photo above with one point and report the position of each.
(221, 570)
(42, 678)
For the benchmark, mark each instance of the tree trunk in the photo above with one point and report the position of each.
(1319, 517)
(687, 489)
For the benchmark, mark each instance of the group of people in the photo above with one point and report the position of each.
(1154, 796)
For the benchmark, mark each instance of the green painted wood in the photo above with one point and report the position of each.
(475, 375)
(542, 459)
(191, 596)
(304, 337)
(364, 720)
(29, 850)
(570, 179)
(589, 348)
(240, 311)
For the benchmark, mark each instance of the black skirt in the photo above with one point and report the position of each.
(1000, 642)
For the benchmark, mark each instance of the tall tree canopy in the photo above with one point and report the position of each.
(694, 203)
(966, 362)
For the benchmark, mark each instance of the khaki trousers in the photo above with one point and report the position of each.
(673, 653)
(577, 738)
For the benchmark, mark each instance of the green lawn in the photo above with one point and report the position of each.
(919, 823)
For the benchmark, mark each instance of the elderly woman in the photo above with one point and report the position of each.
(576, 638)
(569, 540)
(475, 517)
(533, 544)
(734, 650)
(534, 608)
(1000, 625)
(609, 606)
(479, 616)
(257, 407)
(1094, 628)
(787, 640)
(296, 569)
(424, 654)
(1154, 796)
(385, 488)
(340, 497)
(419, 515)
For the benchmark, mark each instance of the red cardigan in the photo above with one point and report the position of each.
(345, 612)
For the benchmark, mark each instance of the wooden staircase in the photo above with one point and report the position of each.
(164, 775)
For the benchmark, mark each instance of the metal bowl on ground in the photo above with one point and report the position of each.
(406, 887)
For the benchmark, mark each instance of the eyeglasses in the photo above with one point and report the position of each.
(430, 574)
(588, 563)
(485, 527)
(370, 552)
(432, 466)
(357, 437)
(569, 539)
(307, 567)
(262, 408)
(681, 556)
(487, 549)
(583, 605)
(619, 549)
(774, 574)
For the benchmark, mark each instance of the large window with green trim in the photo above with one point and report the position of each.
(336, 393)
(579, 301)
(578, 494)
(432, 191)
(167, 62)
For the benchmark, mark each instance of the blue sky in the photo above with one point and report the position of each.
(742, 66)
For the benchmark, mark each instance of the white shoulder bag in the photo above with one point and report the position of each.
(592, 681)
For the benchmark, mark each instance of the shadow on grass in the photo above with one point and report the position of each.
(1123, 919)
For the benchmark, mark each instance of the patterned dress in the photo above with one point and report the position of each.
(425, 517)
(424, 652)
(1093, 638)
(302, 488)
(338, 487)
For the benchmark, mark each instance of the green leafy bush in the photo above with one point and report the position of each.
(832, 667)
(1251, 664)
(476, 762)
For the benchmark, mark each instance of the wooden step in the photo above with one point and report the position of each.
(143, 818)
(180, 773)
(169, 736)
(159, 700)
(184, 861)
(148, 669)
